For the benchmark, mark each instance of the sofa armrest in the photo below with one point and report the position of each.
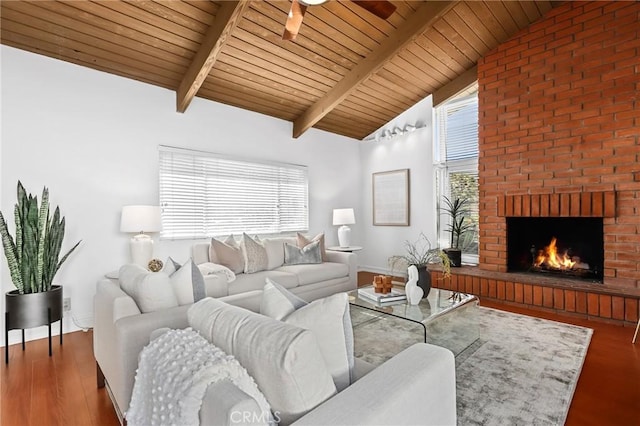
(131, 335)
(224, 404)
(349, 259)
(417, 386)
(120, 332)
(110, 304)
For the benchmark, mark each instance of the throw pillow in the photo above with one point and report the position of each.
(170, 266)
(215, 269)
(228, 254)
(277, 302)
(275, 252)
(303, 241)
(152, 291)
(329, 319)
(188, 284)
(299, 256)
(283, 359)
(254, 254)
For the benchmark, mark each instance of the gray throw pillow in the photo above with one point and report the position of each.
(298, 256)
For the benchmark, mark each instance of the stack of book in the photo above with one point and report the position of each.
(396, 295)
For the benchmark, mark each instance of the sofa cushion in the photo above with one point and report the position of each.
(284, 360)
(250, 282)
(188, 284)
(254, 255)
(310, 253)
(313, 273)
(152, 291)
(303, 241)
(227, 253)
(328, 318)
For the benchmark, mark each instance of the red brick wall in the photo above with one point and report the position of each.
(560, 114)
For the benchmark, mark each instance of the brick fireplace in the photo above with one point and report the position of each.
(559, 136)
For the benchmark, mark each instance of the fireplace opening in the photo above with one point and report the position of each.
(569, 247)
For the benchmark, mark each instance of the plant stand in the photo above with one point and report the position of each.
(32, 310)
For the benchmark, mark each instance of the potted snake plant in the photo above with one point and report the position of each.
(33, 257)
(457, 210)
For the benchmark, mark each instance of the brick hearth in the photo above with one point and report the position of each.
(572, 297)
(559, 135)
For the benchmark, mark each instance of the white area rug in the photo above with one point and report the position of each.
(522, 370)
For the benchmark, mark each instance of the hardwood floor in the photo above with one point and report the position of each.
(61, 390)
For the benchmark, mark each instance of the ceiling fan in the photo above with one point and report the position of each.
(381, 8)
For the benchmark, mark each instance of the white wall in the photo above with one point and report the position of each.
(92, 139)
(413, 151)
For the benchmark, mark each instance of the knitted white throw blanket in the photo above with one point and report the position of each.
(174, 371)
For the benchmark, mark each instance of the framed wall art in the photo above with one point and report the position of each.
(391, 198)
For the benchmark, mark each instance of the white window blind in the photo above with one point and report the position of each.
(204, 195)
(458, 128)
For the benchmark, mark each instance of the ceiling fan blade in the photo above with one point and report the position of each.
(294, 20)
(381, 8)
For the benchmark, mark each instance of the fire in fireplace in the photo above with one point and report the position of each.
(566, 247)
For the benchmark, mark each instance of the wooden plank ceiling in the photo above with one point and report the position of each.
(348, 72)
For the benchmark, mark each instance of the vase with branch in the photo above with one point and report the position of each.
(421, 254)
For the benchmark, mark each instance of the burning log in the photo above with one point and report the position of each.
(549, 258)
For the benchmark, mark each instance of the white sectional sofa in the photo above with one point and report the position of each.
(121, 329)
(415, 387)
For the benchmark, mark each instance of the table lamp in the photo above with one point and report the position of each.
(140, 219)
(344, 217)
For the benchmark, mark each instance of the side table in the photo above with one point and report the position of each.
(345, 249)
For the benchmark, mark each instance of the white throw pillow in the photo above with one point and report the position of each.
(188, 284)
(328, 318)
(209, 268)
(277, 302)
(284, 360)
(228, 253)
(254, 254)
(275, 252)
(152, 291)
(170, 266)
(302, 256)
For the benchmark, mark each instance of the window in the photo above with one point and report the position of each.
(204, 195)
(457, 165)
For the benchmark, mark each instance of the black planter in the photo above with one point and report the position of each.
(455, 256)
(424, 280)
(32, 310)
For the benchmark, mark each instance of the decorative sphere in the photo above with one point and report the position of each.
(155, 265)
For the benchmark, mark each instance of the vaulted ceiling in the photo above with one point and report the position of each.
(348, 71)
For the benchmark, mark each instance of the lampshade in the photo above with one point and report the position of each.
(343, 217)
(140, 219)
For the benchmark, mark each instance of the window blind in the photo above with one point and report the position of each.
(458, 128)
(204, 195)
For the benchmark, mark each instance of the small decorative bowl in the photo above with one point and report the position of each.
(155, 265)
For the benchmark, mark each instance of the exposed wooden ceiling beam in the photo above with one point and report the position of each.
(455, 86)
(225, 22)
(414, 26)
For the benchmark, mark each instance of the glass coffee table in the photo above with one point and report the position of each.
(448, 318)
